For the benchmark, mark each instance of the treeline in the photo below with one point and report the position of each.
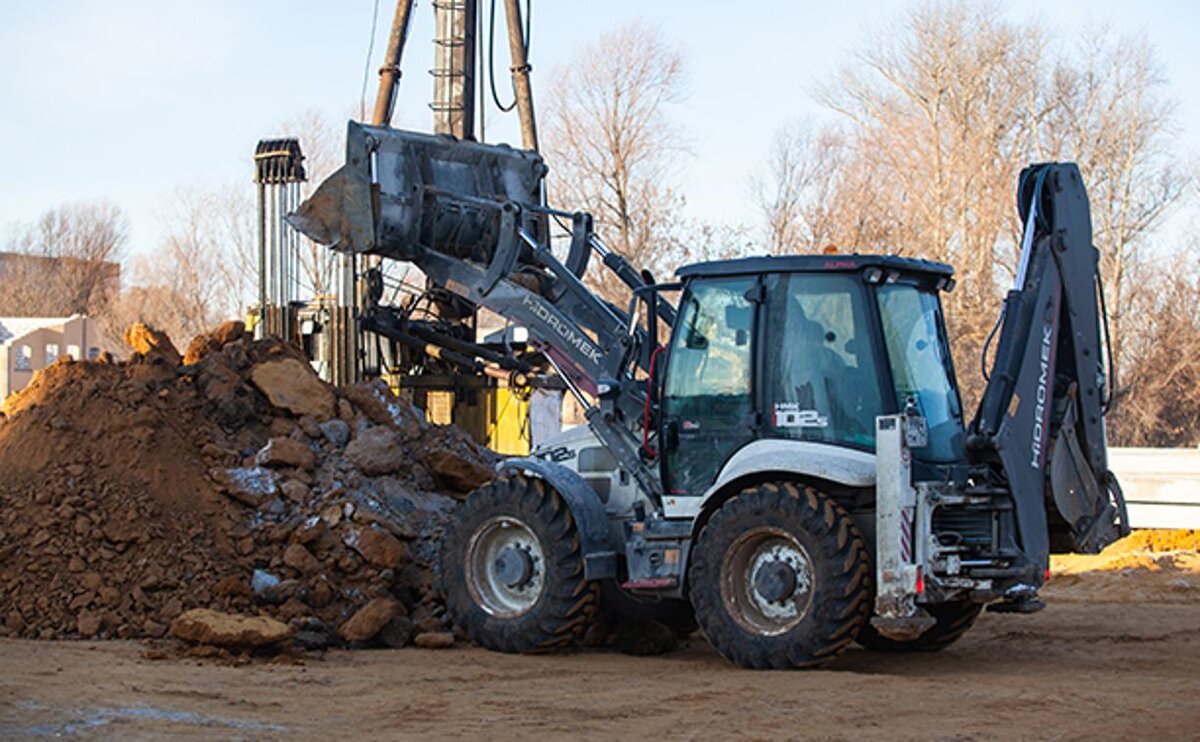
(930, 123)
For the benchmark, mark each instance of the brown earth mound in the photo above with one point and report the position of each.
(133, 492)
(1153, 565)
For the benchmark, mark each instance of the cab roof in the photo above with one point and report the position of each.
(813, 264)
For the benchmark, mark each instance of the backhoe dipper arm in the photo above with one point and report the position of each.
(1041, 417)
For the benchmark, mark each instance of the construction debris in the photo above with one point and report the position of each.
(235, 498)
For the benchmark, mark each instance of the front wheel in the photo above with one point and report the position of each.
(512, 568)
(779, 578)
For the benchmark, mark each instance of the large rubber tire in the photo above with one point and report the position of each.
(563, 604)
(953, 620)
(793, 522)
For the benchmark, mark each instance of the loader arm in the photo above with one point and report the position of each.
(1039, 428)
(470, 217)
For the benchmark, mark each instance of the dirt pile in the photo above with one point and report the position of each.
(131, 493)
(1150, 565)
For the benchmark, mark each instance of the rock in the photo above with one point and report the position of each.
(301, 559)
(378, 547)
(336, 431)
(308, 531)
(153, 629)
(331, 514)
(89, 624)
(311, 639)
(381, 407)
(213, 340)
(398, 632)
(295, 490)
(322, 594)
(291, 384)
(120, 532)
(310, 426)
(456, 471)
(369, 620)
(249, 485)
(149, 341)
(376, 451)
(263, 581)
(205, 626)
(286, 452)
(292, 608)
(435, 640)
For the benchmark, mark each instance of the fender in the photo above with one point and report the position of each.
(595, 538)
(838, 464)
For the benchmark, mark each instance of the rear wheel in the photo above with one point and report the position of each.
(512, 568)
(779, 578)
(953, 620)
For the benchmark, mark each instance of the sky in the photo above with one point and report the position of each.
(128, 100)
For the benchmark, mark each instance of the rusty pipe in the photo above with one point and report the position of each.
(389, 73)
(520, 74)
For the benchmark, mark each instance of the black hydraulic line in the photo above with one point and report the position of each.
(430, 335)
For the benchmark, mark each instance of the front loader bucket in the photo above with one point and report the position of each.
(403, 192)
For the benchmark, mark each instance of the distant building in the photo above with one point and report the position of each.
(31, 343)
(47, 286)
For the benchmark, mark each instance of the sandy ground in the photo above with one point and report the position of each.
(1078, 670)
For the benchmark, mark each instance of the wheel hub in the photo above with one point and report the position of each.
(767, 581)
(505, 567)
(775, 582)
(514, 566)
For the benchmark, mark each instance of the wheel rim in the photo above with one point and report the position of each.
(767, 581)
(505, 567)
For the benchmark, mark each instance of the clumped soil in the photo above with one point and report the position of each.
(228, 478)
(1156, 565)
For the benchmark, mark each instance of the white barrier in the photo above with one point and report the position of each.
(1161, 485)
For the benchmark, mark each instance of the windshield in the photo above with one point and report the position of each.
(920, 364)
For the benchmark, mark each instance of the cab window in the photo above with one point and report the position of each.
(821, 380)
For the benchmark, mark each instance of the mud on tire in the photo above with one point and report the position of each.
(828, 604)
(553, 605)
(953, 620)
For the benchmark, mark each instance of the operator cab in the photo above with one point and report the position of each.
(810, 348)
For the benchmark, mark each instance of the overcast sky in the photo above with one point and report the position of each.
(129, 99)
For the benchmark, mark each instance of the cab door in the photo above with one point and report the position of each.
(708, 409)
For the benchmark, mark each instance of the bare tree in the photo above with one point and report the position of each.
(68, 262)
(186, 286)
(612, 146)
(941, 117)
(322, 140)
(1158, 404)
(1111, 113)
(815, 193)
